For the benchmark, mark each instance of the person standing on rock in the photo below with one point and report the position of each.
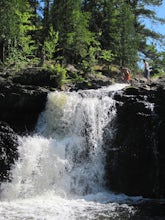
(126, 74)
(146, 70)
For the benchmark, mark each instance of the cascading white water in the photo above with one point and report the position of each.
(61, 167)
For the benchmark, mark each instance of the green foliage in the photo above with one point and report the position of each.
(49, 67)
(88, 33)
(8, 20)
(50, 44)
(79, 37)
(128, 41)
(89, 62)
(16, 34)
(24, 39)
(73, 27)
(106, 55)
(157, 72)
(57, 72)
(61, 74)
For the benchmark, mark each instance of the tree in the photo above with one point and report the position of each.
(113, 24)
(72, 25)
(46, 18)
(50, 43)
(7, 25)
(15, 26)
(36, 20)
(129, 39)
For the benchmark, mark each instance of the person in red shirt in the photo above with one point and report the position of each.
(126, 73)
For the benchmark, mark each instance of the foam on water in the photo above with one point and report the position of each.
(60, 171)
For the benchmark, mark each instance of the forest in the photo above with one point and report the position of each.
(88, 34)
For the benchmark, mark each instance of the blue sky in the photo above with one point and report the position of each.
(160, 11)
(157, 26)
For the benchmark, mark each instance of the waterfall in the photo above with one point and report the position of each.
(65, 155)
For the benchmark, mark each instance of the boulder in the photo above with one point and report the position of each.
(35, 77)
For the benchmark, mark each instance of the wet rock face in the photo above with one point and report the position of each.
(8, 150)
(21, 105)
(136, 154)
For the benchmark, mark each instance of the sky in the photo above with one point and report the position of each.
(160, 11)
(158, 27)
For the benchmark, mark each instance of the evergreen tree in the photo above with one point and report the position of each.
(36, 20)
(46, 18)
(72, 25)
(7, 25)
(114, 27)
(50, 44)
(35, 7)
(15, 26)
(95, 8)
(129, 40)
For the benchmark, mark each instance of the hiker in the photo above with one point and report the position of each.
(146, 71)
(126, 74)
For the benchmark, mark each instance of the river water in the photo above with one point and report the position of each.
(60, 171)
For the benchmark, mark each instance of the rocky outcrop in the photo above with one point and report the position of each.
(35, 77)
(20, 105)
(136, 153)
(92, 82)
(8, 150)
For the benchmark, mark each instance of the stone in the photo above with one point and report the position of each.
(136, 153)
(8, 150)
(20, 105)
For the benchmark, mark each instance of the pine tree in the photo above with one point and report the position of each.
(15, 26)
(7, 25)
(72, 25)
(113, 24)
(129, 40)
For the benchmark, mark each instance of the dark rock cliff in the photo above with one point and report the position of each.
(136, 153)
(8, 150)
(20, 105)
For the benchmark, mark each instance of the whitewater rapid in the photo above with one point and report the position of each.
(60, 170)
